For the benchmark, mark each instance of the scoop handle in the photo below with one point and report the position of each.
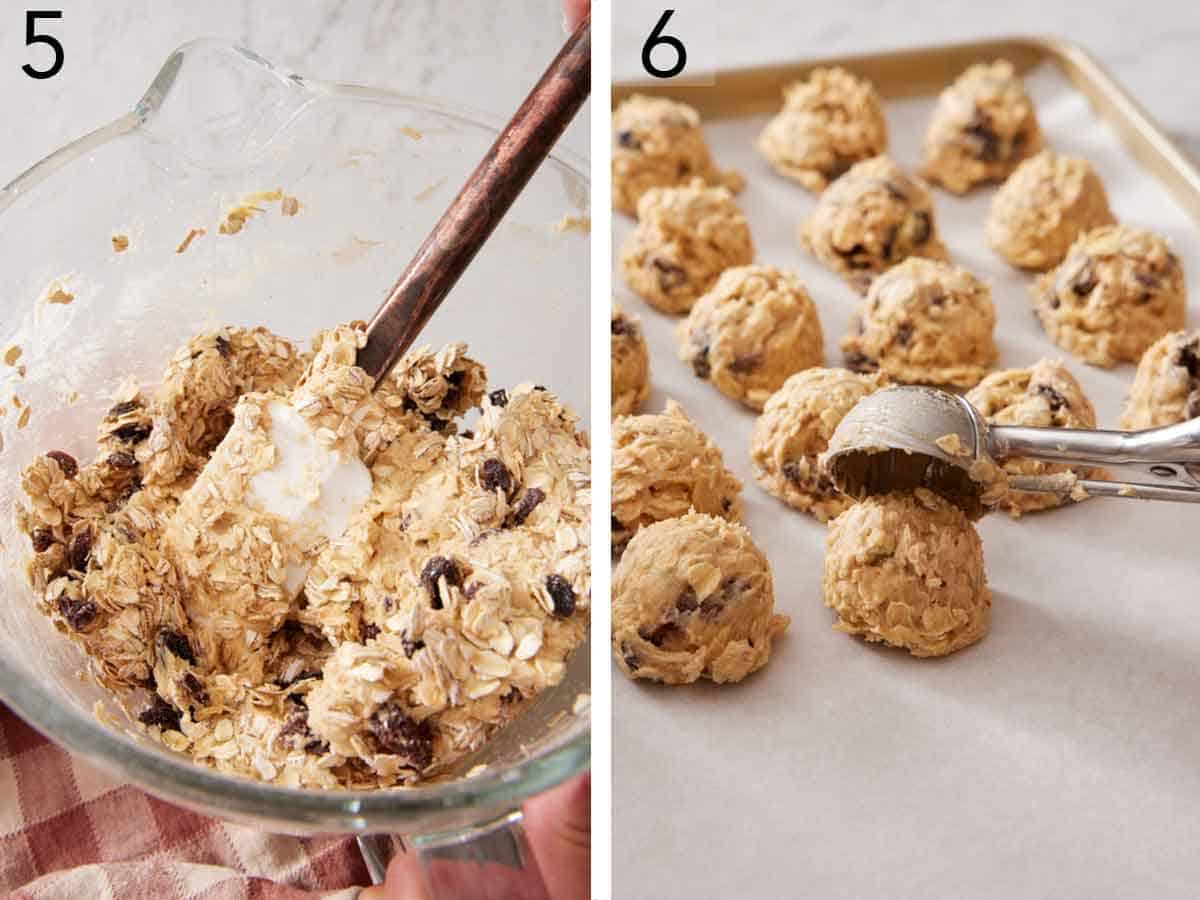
(480, 205)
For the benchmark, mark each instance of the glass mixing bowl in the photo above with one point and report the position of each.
(373, 171)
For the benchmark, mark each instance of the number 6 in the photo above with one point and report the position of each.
(656, 38)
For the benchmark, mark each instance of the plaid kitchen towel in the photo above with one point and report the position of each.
(69, 832)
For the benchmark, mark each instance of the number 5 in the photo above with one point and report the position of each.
(32, 37)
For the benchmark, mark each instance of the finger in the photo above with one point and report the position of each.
(402, 881)
(559, 826)
(574, 12)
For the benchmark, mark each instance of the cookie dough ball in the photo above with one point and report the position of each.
(794, 430)
(754, 328)
(693, 598)
(1043, 207)
(907, 569)
(663, 466)
(924, 322)
(1118, 291)
(982, 127)
(827, 124)
(659, 143)
(1166, 389)
(685, 238)
(1045, 395)
(630, 364)
(868, 220)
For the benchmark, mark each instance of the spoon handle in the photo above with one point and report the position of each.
(480, 205)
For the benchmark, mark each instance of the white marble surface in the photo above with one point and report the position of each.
(1149, 45)
(480, 54)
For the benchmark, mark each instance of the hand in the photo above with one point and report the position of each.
(558, 824)
(574, 12)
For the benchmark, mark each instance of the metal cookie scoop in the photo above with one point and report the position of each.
(908, 437)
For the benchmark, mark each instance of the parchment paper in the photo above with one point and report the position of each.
(1060, 757)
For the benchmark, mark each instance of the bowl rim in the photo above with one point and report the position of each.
(175, 778)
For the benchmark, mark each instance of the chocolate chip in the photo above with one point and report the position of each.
(317, 746)
(494, 474)
(437, 568)
(939, 300)
(859, 362)
(631, 659)
(512, 695)
(194, 688)
(904, 333)
(1056, 400)
(626, 139)
(889, 241)
(410, 647)
(499, 397)
(367, 631)
(133, 433)
(620, 325)
(659, 635)
(562, 594)
(856, 257)
(41, 537)
(700, 363)
(527, 504)
(1189, 358)
(397, 733)
(66, 462)
(468, 433)
(922, 227)
(895, 191)
(124, 407)
(78, 613)
(223, 346)
(297, 723)
(745, 364)
(79, 551)
(177, 644)
(122, 460)
(669, 275)
(981, 141)
(1145, 279)
(686, 601)
(1085, 279)
(160, 714)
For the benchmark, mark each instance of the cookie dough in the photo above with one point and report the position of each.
(754, 328)
(659, 143)
(794, 430)
(693, 598)
(868, 220)
(1045, 395)
(1043, 207)
(827, 124)
(907, 569)
(982, 127)
(663, 466)
(454, 596)
(685, 238)
(630, 364)
(1166, 388)
(924, 322)
(1118, 291)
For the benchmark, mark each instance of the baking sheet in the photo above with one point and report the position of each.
(1058, 757)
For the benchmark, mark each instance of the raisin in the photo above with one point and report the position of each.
(178, 644)
(626, 139)
(620, 325)
(939, 300)
(297, 723)
(494, 474)
(631, 659)
(744, 365)
(562, 594)
(409, 646)
(895, 191)
(700, 364)
(669, 275)
(527, 504)
(1056, 400)
(1085, 279)
(1189, 358)
(904, 333)
(223, 346)
(133, 433)
(160, 713)
(855, 257)
(1145, 279)
(126, 406)
(397, 733)
(859, 362)
(499, 397)
(982, 142)
(512, 695)
(194, 688)
(468, 434)
(367, 631)
(686, 601)
(78, 613)
(437, 568)
(659, 635)
(922, 227)
(42, 537)
(889, 241)
(66, 462)
(317, 746)
(435, 424)
(79, 551)
(122, 460)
